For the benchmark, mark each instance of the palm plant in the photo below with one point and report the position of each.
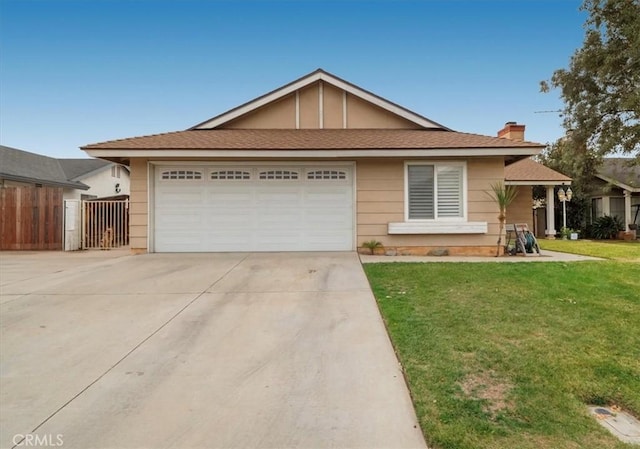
(503, 195)
(372, 245)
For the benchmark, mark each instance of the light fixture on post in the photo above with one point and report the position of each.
(563, 197)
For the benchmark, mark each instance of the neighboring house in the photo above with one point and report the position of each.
(105, 179)
(20, 168)
(616, 191)
(318, 164)
(79, 178)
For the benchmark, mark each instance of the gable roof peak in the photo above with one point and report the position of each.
(311, 78)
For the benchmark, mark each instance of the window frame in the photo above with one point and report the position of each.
(436, 164)
(287, 174)
(192, 171)
(243, 172)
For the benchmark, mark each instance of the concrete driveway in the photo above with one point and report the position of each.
(107, 350)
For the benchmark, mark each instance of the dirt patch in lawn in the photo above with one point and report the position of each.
(489, 388)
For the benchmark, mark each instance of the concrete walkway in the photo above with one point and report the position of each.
(547, 256)
(106, 350)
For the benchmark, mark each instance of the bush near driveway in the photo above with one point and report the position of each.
(508, 355)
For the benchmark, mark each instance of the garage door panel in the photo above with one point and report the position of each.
(338, 219)
(252, 214)
(230, 241)
(317, 242)
(226, 194)
(276, 198)
(178, 221)
(335, 194)
(181, 199)
(290, 217)
(176, 241)
(229, 224)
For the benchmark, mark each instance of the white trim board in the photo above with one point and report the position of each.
(438, 227)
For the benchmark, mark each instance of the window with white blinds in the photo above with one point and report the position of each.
(449, 188)
(421, 192)
(435, 191)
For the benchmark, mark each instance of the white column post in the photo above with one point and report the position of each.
(550, 231)
(606, 205)
(627, 209)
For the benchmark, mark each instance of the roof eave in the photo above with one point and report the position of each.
(537, 182)
(618, 183)
(314, 153)
(26, 179)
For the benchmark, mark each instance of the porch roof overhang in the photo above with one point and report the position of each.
(528, 172)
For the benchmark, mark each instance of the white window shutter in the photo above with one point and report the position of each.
(449, 182)
(421, 191)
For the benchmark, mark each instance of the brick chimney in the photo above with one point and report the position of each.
(512, 131)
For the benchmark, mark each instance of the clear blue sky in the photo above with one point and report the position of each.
(79, 72)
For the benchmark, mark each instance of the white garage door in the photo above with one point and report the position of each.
(259, 208)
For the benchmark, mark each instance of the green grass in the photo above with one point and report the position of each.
(508, 355)
(608, 249)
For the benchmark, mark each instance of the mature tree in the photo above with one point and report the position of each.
(572, 159)
(601, 87)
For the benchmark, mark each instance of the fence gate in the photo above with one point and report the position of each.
(31, 218)
(72, 228)
(105, 224)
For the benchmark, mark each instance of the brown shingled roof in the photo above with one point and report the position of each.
(530, 170)
(309, 139)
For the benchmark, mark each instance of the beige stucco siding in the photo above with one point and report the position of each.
(380, 196)
(309, 98)
(138, 207)
(332, 101)
(362, 114)
(380, 200)
(521, 209)
(278, 115)
(332, 107)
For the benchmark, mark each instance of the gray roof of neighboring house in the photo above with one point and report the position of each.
(78, 168)
(620, 170)
(23, 166)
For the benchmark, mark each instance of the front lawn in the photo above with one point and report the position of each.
(608, 249)
(508, 355)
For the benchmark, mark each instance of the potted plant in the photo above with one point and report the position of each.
(569, 234)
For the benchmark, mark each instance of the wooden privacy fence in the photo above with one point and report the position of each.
(31, 218)
(105, 224)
